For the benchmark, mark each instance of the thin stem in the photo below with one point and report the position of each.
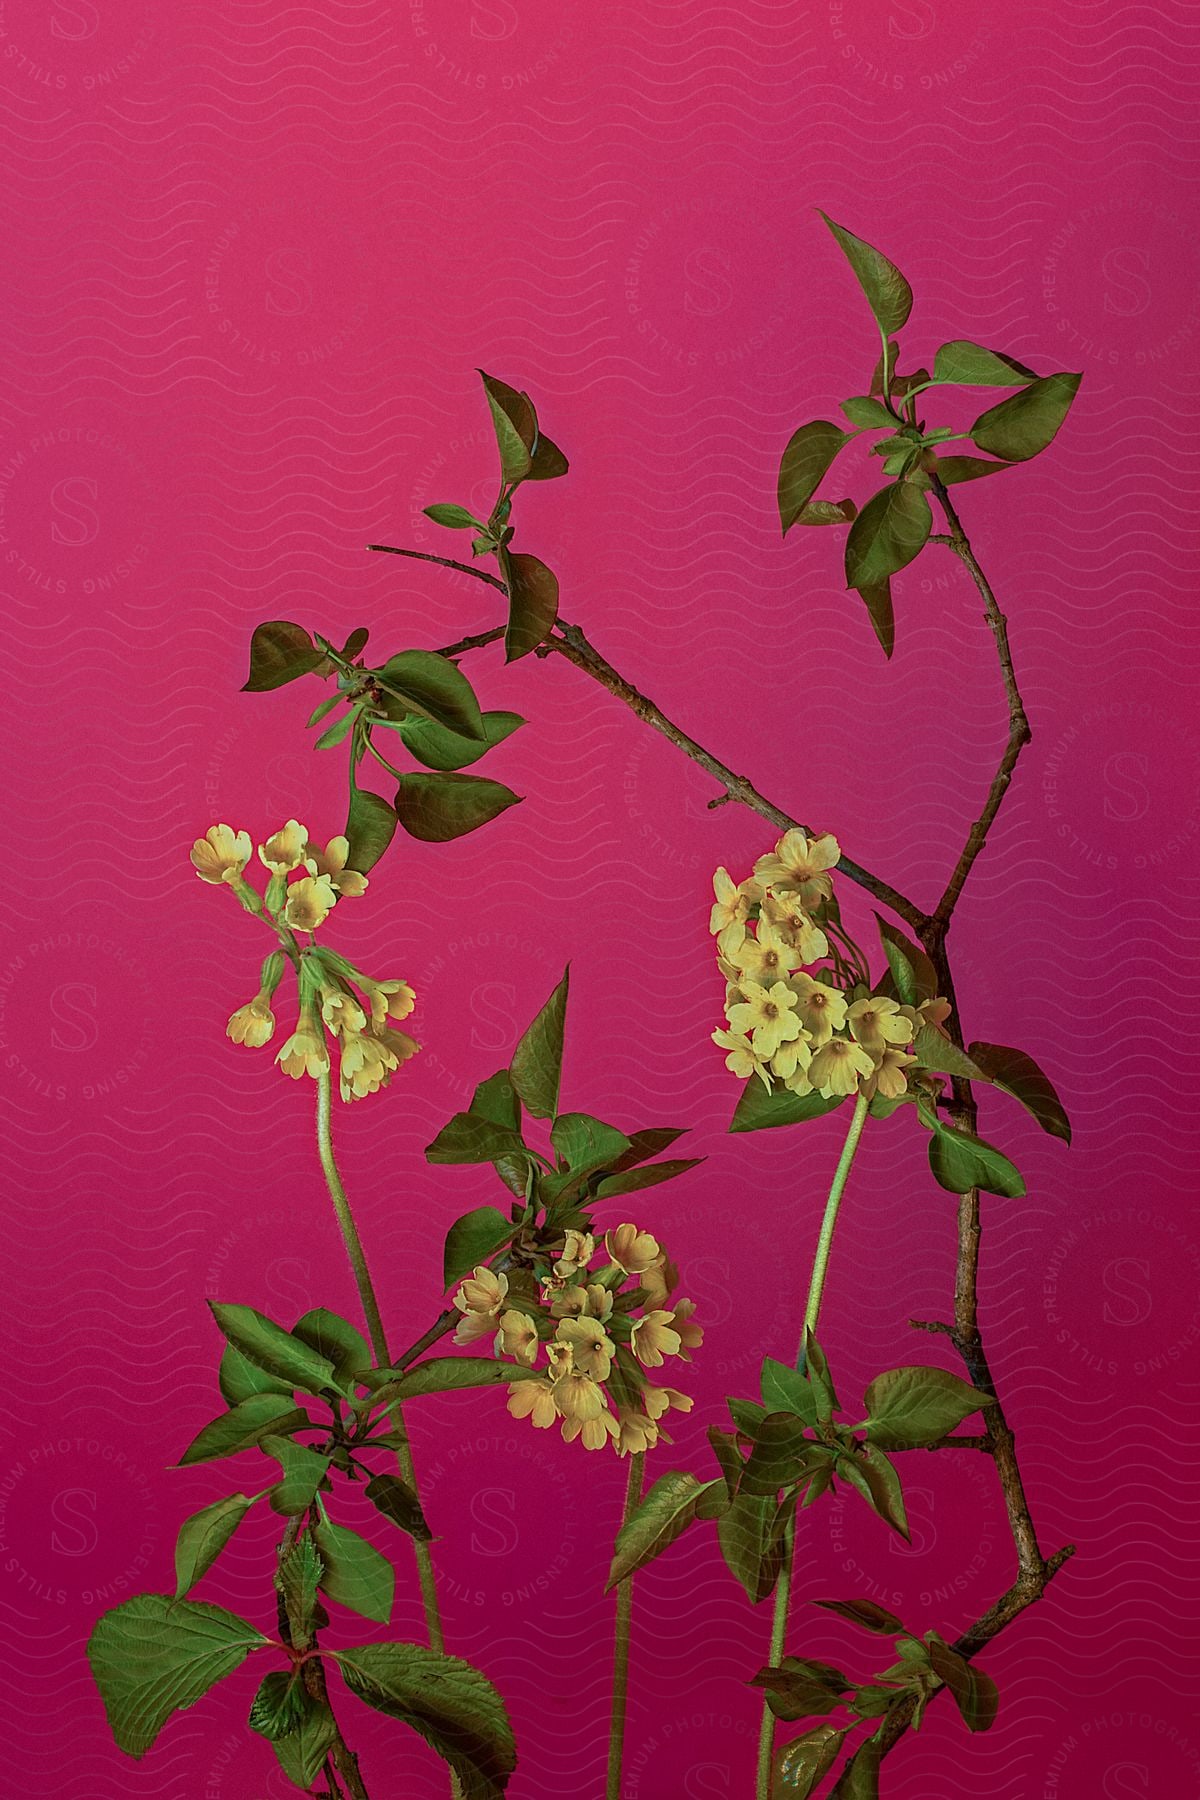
(779, 1619)
(620, 1693)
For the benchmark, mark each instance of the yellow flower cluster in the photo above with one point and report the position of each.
(825, 1033)
(600, 1329)
(305, 883)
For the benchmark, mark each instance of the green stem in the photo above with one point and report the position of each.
(620, 1695)
(812, 1311)
(375, 1331)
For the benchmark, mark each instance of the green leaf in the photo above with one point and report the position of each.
(935, 1051)
(156, 1655)
(296, 1578)
(651, 1141)
(759, 1111)
(970, 365)
(532, 602)
(339, 731)
(960, 1161)
(747, 1415)
(203, 1537)
(355, 1574)
(515, 426)
(785, 1390)
(877, 598)
(913, 1406)
(496, 1099)
(806, 460)
(951, 469)
(663, 1514)
(902, 971)
(456, 517)
(800, 1765)
(242, 1426)
(453, 1707)
(781, 1454)
(302, 1753)
(281, 652)
(974, 1693)
(744, 1532)
(587, 1143)
(446, 750)
(536, 1066)
(336, 1339)
(436, 687)
(303, 1472)
(827, 512)
(860, 1778)
(370, 828)
(888, 533)
(865, 410)
(923, 970)
(817, 1369)
(875, 1478)
(633, 1181)
(548, 460)
(449, 1374)
(471, 1240)
(1024, 424)
(399, 1503)
(323, 710)
(280, 1704)
(1018, 1075)
(438, 808)
(888, 294)
(262, 1341)
(800, 1689)
(725, 1449)
(866, 1613)
(357, 641)
(468, 1138)
(238, 1379)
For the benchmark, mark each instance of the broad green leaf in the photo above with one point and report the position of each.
(1023, 425)
(860, 1778)
(449, 1374)
(281, 652)
(902, 970)
(875, 1478)
(725, 1449)
(888, 533)
(951, 469)
(457, 518)
(280, 1704)
(468, 1138)
(806, 460)
(532, 602)
(471, 1240)
(651, 1142)
(156, 1655)
(587, 1143)
(303, 1472)
(663, 1514)
(399, 1503)
(888, 294)
(515, 427)
(877, 598)
(864, 1612)
(242, 1426)
(935, 1051)
(357, 641)
(447, 751)
(436, 687)
(970, 365)
(238, 1379)
(336, 1339)
(781, 1454)
(536, 1066)
(632, 1181)
(923, 970)
(759, 1111)
(496, 1099)
(302, 1753)
(974, 1693)
(454, 1708)
(865, 410)
(960, 1161)
(548, 460)
(802, 1764)
(913, 1406)
(438, 808)
(296, 1579)
(1018, 1075)
(785, 1390)
(203, 1537)
(370, 828)
(747, 1415)
(827, 512)
(744, 1532)
(262, 1341)
(355, 1574)
(800, 1689)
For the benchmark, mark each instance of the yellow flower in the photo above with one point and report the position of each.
(341, 1012)
(578, 1251)
(889, 1079)
(306, 1052)
(791, 1062)
(533, 1400)
(332, 863)
(560, 1359)
(631, 1249)
(517, 1337)
(660, 1280)
(733, 904)
(635, 1433)
(799, 863)
(397, 1043)
(394, 998)
(577, 1396)
(592, 1350)
(822, 1009)
(654, 1338)
(690, 1336)
(657, 1401)
(309, 903)
(598, 1301)
(786, 915)
(479, 1298)
(594, 1432)
(742, 1060)
(253, 1024)
(366, 1065)
(767, 1016)
(929, 1012)
(221, 854)
(766, 959)
(876, 1022)
(838, 1067)
(286, 850)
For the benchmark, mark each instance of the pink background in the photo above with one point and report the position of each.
(257, 251)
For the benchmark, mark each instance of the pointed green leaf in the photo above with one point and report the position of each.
(759, 1111)
(970, 365)
(877, 598)
(532, 602)
(864, 1612)
(454, 1708)
(260, 1340)
(744, 1532)
(438, 808)
(587, 1143)
(471, 1240)
(1018, 1075)
(323, 710)
(338, 732)
(281, 652)
(496, 1099)
(468, 1138)
(242, 1426)
(1023, 425)
(436, 687)
(633, 1181)
(238, 1379)
(747, 1415)
(801, 1764)
(902, 970)
(725, 1449)
(888, 294)
(801, 1689)
(356, 642)
(438, 748)
(827, 512)
(785, 1390)
(913, 1406)
(960, 1161)
(370, 828)
(536, 1066)
(399, 1503)
(874, 1475)
(302, 1753)
(280, 1704)
(355, 1575)
(923, 970)
(974, 1693)
(303, 1472)
(456, 518)
(156, 1655)
(334, 1338)
(888, 533)
(935, 1051)
(817, 1369)
(296, 1579)
(951, 469)
(203, 1537)
(548, 460)
(806, 460)
(663, 1514)
(865, 410)
(860, 1778)
(449, 1374)
(515, 426)
(781, 1454)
